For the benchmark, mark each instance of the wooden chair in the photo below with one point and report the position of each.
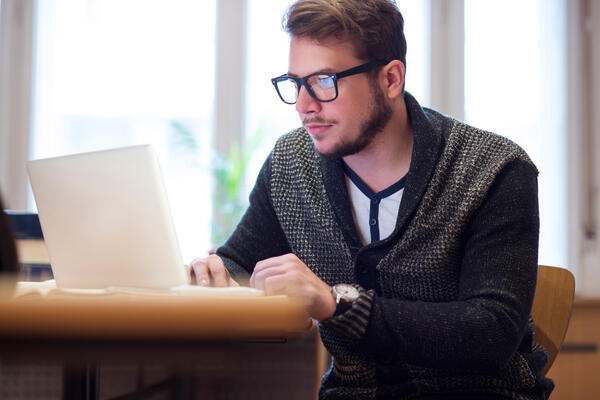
(551, 309)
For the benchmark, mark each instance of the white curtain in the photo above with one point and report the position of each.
(16, 29)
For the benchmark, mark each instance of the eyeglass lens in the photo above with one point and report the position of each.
(322, 87)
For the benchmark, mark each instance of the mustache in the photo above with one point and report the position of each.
(317, 120)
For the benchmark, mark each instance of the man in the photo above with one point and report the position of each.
(411, 236)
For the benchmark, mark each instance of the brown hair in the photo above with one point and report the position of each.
(376, 27)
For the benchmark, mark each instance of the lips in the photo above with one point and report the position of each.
(317, 129)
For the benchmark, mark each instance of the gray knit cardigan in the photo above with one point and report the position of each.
(446, 298)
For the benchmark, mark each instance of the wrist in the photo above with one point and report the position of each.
(328, 305)
(331, 304)
(352, 324)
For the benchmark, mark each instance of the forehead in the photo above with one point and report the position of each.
(308, 55)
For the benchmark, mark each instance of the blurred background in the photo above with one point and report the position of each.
(193, 78)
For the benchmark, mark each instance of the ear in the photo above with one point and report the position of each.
(394, 78)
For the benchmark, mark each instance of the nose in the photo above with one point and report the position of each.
(305, 104)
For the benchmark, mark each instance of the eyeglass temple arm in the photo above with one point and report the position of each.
(361, 68)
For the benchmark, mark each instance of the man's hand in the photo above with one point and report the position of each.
(288, 275)
(210, 271)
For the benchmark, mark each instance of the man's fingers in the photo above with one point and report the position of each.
(272, 266)
(274, 285)
(275, 261)
(219, 275)
(199, 272)
(210, 271)
(258, 278)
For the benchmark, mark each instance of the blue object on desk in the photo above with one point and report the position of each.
(25, 225)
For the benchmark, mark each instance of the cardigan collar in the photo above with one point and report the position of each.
(428, 128)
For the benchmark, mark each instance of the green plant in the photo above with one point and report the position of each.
(229, 173)
(229, 198)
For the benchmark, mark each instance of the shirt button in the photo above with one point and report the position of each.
(373, 222)
(375, 200)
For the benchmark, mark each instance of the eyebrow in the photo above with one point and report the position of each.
(321, 71)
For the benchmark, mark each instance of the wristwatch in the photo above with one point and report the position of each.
(344, 295)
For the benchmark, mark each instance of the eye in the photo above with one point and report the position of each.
(325, 81)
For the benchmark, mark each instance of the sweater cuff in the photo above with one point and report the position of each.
(353, 322)
(237, 272)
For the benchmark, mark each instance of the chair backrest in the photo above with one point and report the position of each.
(551, 309)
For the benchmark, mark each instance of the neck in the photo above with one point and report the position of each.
(387, 158)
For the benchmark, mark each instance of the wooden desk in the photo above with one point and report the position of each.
(217, 347)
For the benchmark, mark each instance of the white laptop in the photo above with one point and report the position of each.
(106, 220)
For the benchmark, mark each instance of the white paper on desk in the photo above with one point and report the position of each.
(48, 288)
(191, 290)
(34, 289)
(42, 289)
(231, 291)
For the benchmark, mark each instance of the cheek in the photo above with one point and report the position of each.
(350, 111)
(357, 103)
(356, 114)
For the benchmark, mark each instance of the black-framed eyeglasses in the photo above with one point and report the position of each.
(322, 86)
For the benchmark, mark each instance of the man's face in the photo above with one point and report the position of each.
(348, 124)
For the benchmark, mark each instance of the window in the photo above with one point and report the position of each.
(515, 75)
(416, 15)
(111, 73)
(267, 56)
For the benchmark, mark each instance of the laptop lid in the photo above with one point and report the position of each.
(106, 219)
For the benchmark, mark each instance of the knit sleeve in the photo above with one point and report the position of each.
(483, 328)
(258, 235)
(353, 322)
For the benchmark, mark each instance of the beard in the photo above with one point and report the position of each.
(381, 112)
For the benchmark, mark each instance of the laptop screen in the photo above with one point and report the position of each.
(106, 220)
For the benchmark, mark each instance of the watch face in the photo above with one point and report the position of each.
(346, 291)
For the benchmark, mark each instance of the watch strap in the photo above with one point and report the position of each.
(353, 322)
